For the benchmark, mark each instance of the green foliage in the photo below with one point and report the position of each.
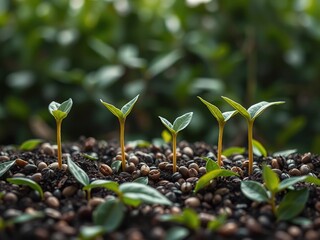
(30, 144)
(209, 176)
(121, 114)
(129, 193)
(233, 150)
(293, 201)
(250, 115)
(222, 118)
(178, 125)
(28, 182)
(5, 166)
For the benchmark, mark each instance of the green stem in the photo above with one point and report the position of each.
(123, 156)
(174, 151)
(250, 147)
(221, 128)
(59, 143)
(273, 203)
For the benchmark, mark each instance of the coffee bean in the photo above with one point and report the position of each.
(105, 169)
(192, 202)
(69, 191)
(52, 202)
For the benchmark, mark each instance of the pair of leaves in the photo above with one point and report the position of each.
(213, 171)
(292, 203)
(122, 113)
(179, 123)
(133, 193)
(254, 111)
(215, 111)
(60, 111)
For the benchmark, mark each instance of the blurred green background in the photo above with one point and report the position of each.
(169, 52)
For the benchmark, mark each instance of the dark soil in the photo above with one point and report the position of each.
(66, 208)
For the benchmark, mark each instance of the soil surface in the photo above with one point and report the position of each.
(66, 208)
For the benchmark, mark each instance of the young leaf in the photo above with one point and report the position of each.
(258, 148)
(284, 153)
(5, 166)
(238, 107)
(109, 214)
(211, 165)
(256, 109)
(233, 150)
(292, 204)
(205, 179)
(115, 166)
(288, 182)
(143, 192)
(254, 191)
(126, 109)
(115, 111)
(182, 122)
(30, 144)
(188, 218)
(270, 178)
(28, 182)
(167, 124)
(100, 183)
(215, 224)
(177, 233)
(26, 217)
(78, 173)
(142, 180)
(60, 111)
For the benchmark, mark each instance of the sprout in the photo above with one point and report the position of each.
(121, 115)
(179, 124)
(60, 112)
(250, 115)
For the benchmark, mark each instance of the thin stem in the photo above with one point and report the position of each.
(250, 147)
(59, 143)
(123, 156)
(174, 151)
(221, 128)
(273, 203)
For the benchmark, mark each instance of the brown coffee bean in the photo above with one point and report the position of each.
(105, 169)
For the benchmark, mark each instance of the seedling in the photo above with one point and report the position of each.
(121, 114)
(60, 112)
(179, 124)
(5, 166)
(222, 118)
(28, 182)
(292, 203)
(213, 171)
(129, 193)
(250, 115)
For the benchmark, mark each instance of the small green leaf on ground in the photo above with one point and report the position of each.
(78, 173)
(30, 144)
(5, 166)
(254, 191)
(28, 182)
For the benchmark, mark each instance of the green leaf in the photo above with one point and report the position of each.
(92, 156)
(258, 148)
(177, 233)
(100, 183)
(233, 150)
(182, 122)
(256, 109)
(215, 224)
(270, 178)
(26, 217)
(142, 180)
(143, 192)
(254, 191)
(115, 111)
(28, 182)
(284, 153)
(78, 173)
(167, 124)
(210, 164)
(292, 204)
(238, 107)
(288, 182)
(131, 201)
(215, 111)
(5, 166)
(30, 144)
(91, 232)
(126, 109)
(229, 114)
(109, 214)
(60, 111)
(311, 179)
(115, 166)
(205, 179)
